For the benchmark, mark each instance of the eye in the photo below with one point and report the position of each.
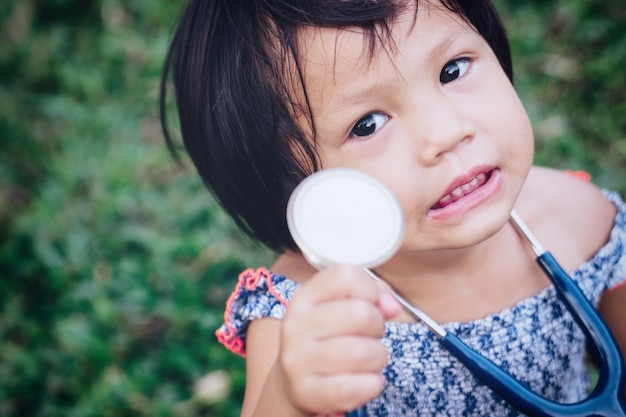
(369, 125)
(453, 70)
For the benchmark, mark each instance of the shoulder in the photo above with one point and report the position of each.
(570, 216)
(294, 266)
(548, 188)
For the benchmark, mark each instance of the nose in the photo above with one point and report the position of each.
(441, 123)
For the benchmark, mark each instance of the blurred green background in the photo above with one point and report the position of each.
(115, 263)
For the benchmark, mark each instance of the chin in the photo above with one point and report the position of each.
(471, 231)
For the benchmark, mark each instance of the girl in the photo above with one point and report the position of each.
(418, 94)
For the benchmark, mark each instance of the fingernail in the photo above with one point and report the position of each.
(383, 382)
(387, 300)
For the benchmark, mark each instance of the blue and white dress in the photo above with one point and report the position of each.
(536, 341)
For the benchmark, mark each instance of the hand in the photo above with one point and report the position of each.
(331, 356)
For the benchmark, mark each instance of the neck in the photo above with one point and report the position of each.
(469, 283)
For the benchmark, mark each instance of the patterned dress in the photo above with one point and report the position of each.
(536, 341)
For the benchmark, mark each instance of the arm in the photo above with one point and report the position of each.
(613, 308)
(325, 355)
(264, 390)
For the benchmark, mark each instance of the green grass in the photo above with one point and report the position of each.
(116, 263)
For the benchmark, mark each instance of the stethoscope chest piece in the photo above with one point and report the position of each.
(340, 216)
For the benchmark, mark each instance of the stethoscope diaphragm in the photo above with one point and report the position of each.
(341, 216)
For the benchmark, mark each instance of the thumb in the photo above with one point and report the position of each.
(388, 305)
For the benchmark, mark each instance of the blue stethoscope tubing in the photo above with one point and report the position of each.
(605, 400)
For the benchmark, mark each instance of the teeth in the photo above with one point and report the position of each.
(446, 199)
(462, 190)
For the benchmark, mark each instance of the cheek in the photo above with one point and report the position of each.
(511, 125)
(413, 200)
(523, 138)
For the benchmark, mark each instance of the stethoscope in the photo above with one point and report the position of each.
(341, 216)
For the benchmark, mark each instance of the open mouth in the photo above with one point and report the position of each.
(463, 190)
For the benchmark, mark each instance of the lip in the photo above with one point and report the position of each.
(471, 200)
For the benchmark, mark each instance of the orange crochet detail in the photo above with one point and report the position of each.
(581, 175)
(272, 290)
(620, 285)
(249, 280)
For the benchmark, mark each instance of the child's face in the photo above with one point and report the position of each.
(435, 118)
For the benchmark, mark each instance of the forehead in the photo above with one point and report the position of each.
(348, 57)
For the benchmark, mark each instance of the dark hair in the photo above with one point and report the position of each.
(234, 65)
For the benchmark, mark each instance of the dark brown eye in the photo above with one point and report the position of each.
(369, 124)
(453, 70)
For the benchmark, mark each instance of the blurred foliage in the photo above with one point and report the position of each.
(116, 263)
(568, 57)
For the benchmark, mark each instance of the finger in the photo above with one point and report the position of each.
(339, 392)
(349, 355)
(338, 317)
(345, 354)
(337, 282)
(388, 305)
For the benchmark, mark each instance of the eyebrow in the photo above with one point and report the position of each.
(445, 44)
(360, 95)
